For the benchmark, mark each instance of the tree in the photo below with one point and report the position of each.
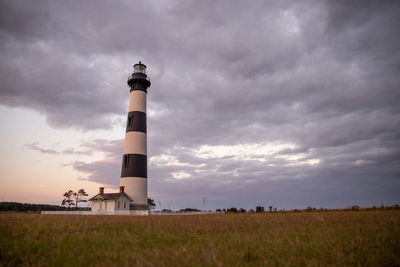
(68, 201)
(233, 210)
(78, 197)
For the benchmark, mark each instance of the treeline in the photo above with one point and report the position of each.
(25, 207)
(271, 209)
(308, 209)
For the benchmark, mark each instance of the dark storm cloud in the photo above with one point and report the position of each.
(320, 75)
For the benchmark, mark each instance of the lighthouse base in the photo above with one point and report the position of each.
(136, 188)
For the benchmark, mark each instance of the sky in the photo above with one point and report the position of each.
(285, 103)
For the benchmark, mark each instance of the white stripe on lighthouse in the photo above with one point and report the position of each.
(137, 101)
(135, 143)
(136, 187)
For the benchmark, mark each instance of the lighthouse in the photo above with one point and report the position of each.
(134, 161)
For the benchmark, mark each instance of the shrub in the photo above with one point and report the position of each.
(189, 210)
(234, 210)
(259, 209)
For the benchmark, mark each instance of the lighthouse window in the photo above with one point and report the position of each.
(126, 161)
(130, 121)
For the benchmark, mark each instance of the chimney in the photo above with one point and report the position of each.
(101, 191)
(121, 189)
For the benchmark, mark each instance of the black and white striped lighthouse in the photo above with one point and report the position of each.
(134, 162)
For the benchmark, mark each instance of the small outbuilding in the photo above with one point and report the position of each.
(111, 202)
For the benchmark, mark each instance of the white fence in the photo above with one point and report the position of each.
(128, 212)
(184, 213)
(117, 212)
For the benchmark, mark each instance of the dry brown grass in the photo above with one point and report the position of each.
(314, 238)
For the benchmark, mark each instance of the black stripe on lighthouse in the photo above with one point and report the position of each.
(136, 122)
(134, 165)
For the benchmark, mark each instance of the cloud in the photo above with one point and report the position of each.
(111, 148)
(106, 171)
(321, 76)
(72, 151)
(102, 172)
(34, 146)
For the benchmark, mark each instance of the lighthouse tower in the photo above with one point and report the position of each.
(134, 162)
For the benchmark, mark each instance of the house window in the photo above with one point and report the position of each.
(119, 203)
(124, 204)
(126, 161)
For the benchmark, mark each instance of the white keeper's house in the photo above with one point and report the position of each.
(114, 203)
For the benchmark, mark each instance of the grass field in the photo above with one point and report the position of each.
(305, 238)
